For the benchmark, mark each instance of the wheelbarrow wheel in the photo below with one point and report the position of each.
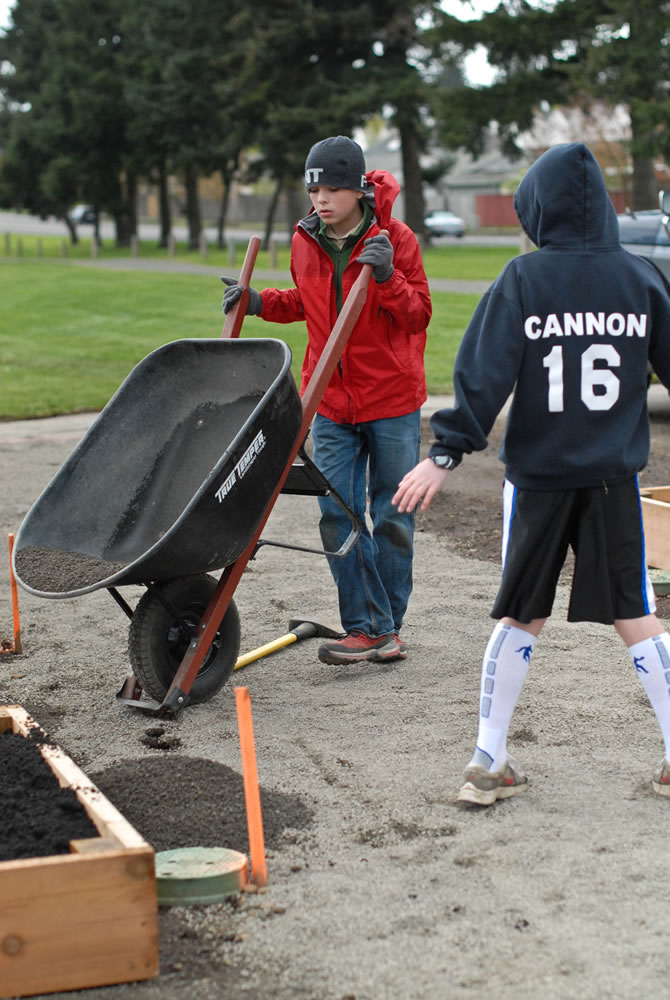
(158, 638)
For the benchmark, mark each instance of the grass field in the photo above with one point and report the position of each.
(69, 334)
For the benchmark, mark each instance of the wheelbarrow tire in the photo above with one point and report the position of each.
(157, 641)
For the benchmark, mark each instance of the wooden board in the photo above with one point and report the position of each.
(83, 919)
(655, 503)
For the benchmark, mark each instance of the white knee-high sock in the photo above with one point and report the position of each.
(651, 659)
(504, 670)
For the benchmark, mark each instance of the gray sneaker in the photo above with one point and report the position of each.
(661, 780)
(484, 787)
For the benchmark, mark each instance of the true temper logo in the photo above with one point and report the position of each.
(243, 466)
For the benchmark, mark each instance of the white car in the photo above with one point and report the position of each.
(444, 223)
(83, 214)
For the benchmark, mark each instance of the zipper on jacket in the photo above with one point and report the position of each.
(337, 277)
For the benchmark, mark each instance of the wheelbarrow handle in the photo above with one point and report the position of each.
(235, 318)
(337, 341)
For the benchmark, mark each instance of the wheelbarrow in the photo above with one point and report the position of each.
(175, 479)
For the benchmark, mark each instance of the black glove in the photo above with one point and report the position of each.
(234, 292)
(378, 252)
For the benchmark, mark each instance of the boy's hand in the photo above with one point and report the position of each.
(378, 252)
(234, 292)
(421, 483)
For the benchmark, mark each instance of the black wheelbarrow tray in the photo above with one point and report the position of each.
(174, 479)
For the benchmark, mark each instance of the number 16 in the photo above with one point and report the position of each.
(591, 377)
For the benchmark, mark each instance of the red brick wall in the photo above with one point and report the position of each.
(498, 209)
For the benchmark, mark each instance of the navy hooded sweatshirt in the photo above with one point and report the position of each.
(568, 330)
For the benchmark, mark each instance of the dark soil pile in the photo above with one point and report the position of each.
(193, 802)
(40, 817)
(55, 571)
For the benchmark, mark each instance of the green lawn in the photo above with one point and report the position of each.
(69, 334)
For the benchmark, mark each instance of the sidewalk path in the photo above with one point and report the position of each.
(188, 267)
(73, 426)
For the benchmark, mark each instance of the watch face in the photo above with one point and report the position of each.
(443, 461)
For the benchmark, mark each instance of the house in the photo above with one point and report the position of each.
(476, 189)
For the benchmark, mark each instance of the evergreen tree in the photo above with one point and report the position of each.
(67, 138)
(180, 70)
(576, 49)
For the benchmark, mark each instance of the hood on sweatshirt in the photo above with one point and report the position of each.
(562, 202)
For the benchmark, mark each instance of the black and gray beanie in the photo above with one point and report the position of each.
(336, 162)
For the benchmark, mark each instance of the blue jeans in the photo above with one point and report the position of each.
(374, 580)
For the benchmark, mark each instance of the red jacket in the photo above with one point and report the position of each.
(382, 370)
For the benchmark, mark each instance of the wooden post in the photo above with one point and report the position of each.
(40, 251)
(231, 251)
(171, 245)
(8, 245)
(203, 245)
(94, 246)
(273, 254)
(63, 248)
(134, 245)
(19, 247)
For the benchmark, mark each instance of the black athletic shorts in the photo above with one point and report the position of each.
(603, 526)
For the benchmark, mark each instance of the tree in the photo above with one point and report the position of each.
(400, 84)
(616, 50)
(68, 130)
(604, 128)
(179, 73)
(629, 61)
(315, 68)
(300, 84)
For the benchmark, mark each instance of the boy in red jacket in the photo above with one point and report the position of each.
(366, 432)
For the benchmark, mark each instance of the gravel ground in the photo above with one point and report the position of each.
(380, 886)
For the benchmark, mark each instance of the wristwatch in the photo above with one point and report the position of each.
(443, 461)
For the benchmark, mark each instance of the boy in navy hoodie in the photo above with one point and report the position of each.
(568, 333)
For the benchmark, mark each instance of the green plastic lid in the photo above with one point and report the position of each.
(190, 875)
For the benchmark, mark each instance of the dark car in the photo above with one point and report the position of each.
(646, 234)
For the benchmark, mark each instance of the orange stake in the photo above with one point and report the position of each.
(252, 795)
(15, 599)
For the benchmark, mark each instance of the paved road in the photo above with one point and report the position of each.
(19, 222)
